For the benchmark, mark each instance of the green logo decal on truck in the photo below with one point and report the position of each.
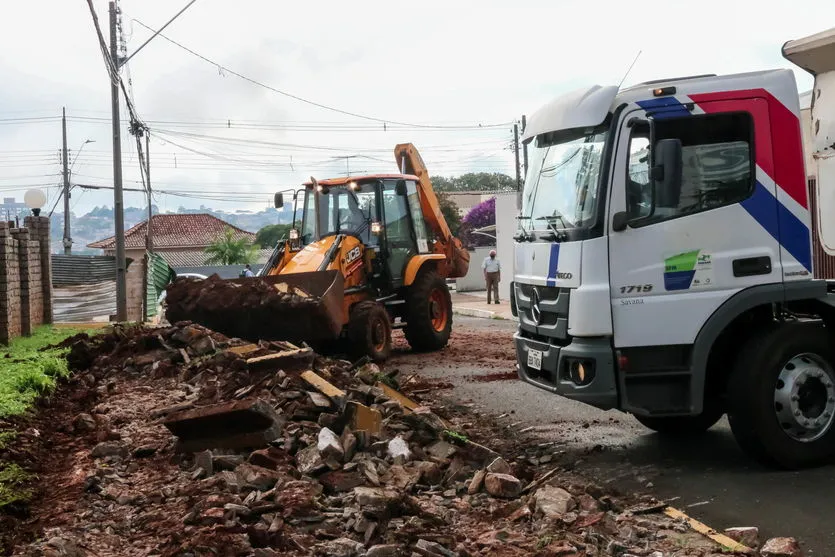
(691, 269)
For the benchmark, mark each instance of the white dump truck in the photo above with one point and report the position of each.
(664, 262)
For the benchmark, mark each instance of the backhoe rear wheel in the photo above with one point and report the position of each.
(369, 331)
(429, 313)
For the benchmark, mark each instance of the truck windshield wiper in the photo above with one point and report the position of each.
(559, 235)
(523, 235)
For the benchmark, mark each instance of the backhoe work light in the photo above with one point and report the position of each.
(353, 185)
(376, 227)
(294, 234)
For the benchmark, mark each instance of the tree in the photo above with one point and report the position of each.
(475, 181)
(229, 250)
(483, 214)
(450, 212)
(269, 236)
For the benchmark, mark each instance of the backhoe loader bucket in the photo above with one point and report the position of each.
(294, 307)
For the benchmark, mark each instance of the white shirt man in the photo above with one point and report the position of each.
(492, 268)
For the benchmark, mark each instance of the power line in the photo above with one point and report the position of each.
(296, 97)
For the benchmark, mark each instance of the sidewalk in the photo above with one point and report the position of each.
(474, 304)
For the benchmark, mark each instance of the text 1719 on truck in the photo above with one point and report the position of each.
(664, 258)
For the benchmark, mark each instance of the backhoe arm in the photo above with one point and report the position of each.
(457, 257)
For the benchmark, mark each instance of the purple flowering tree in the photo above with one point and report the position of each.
(483, 214)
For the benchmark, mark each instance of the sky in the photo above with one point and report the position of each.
(450, 77)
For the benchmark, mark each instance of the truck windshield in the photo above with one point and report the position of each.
(561, 185)
(342, 210)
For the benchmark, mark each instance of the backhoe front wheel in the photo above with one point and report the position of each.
(429, 313)
(782, 396)
(369, 331)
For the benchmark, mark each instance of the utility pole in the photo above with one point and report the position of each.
(516, 155)
(150, 236)
(67, 238)
(118, 209)
(525, 146)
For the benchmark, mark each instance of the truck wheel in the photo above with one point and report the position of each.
(429, 313)
(781, 396)
(369, 331)
(682, 425)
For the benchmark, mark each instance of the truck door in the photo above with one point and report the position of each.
(672, 266)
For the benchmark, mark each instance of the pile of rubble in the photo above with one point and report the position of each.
(191, 443)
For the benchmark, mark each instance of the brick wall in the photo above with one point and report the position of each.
(25, 278)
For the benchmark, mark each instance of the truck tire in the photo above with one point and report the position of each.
(429, 313)
(781, 396)
(369, 331)
(682, 425)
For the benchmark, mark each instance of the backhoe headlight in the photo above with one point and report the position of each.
(294, 234)
(376, 227)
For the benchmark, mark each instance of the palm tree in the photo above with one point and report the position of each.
(228, 250)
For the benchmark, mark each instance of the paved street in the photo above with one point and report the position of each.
(708, 478)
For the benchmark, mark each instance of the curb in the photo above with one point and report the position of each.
(473, 312)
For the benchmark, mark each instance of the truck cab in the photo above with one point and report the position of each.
(663, 262)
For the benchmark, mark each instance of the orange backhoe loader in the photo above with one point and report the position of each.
(372, 253)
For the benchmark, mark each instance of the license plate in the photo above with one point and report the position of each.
(535, 359)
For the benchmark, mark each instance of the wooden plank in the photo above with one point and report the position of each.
(323, 386)
(404, 401)
(289, 354)
(363, 418)
(245, 349)
(723, 540)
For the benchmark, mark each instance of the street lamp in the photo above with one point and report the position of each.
(78, 152)
(35, 199)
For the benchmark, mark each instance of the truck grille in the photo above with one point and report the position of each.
(543, 312)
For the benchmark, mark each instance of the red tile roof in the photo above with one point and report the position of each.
(176, 231)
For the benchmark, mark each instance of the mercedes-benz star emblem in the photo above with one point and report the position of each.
(535, 312)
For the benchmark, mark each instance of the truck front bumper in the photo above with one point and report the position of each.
(583, 370)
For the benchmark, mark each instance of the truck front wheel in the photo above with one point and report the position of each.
(781, 396)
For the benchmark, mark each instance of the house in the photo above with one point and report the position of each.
(181, 241)
(466, 200)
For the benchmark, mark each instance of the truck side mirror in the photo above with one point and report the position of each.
(666, 172)
(400, 188)
(279, 200)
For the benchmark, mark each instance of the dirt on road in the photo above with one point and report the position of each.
(340, 465)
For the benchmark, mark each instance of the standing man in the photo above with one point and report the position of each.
(492, 275)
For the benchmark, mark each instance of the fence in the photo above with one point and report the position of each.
(84, 288)
(25, 278)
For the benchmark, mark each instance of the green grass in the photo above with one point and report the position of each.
(31, 369)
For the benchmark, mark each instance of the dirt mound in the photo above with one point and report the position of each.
(334, 463)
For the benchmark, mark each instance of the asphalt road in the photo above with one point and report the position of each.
(709, 478)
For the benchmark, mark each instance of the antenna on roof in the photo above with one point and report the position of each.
(629, 69)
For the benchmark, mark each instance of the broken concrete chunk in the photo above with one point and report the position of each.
(269, 458)
(502, 485)
(256, 477)
(310, 461)
(109, 448)
(383, 551)
(441, 449)
(553, 502)
(341, 547)
(781, 547)
(748, 536)
(375, 497)
(349, 443)
(230, 425)
(84, 422)
(319, 400)
(432, 549)
(204, 461)
(202, 346)
(368, 373)
(227, 462)
(329, 445)
(399, 451)
(476, 483)
(499, 466)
